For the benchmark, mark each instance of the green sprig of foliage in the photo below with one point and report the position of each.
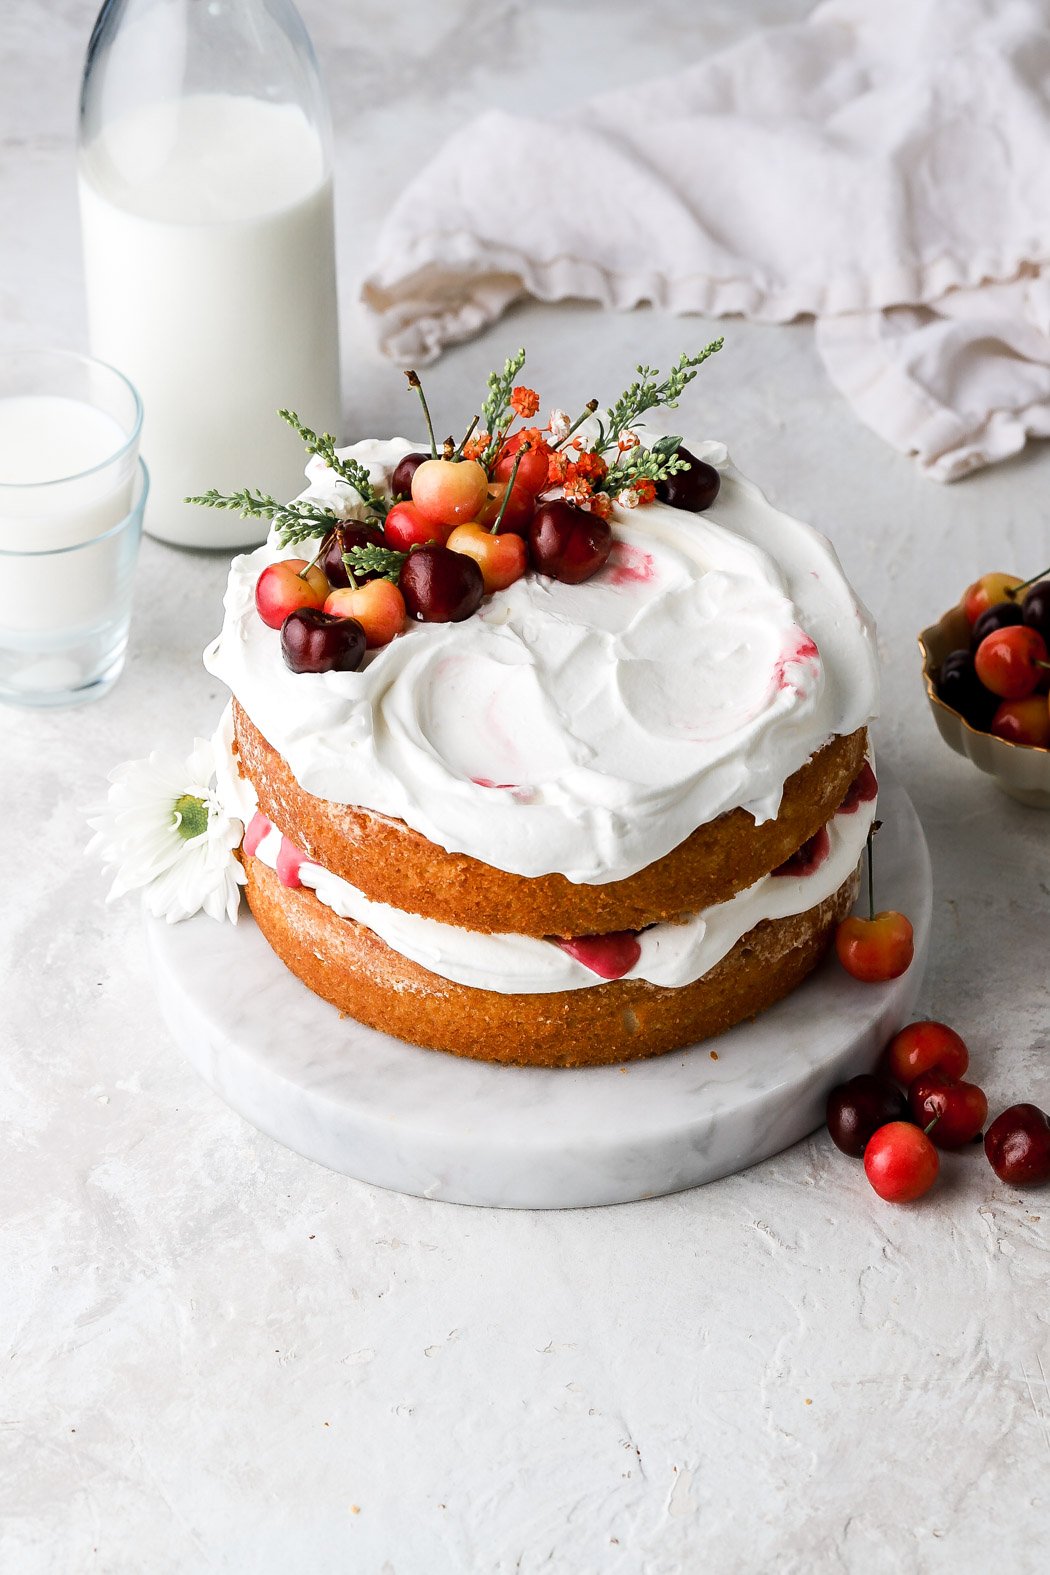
(293, 522)
(384, 562)
(648, 392)
(496, 414)
(644, 464)
(348, 470)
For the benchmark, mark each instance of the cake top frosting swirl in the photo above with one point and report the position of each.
(585, 729)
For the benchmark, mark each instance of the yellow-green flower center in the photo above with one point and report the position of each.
(191, 816)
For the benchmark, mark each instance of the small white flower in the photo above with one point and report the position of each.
(166, 833)
(628, 498)
(628, 440)
(559, 424)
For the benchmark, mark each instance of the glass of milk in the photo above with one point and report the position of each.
(72, 492)
(209, 255)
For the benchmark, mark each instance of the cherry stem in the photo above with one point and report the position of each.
(413, 382)
(871, 876)
(348, 566)
(927, 1130)
(465, 439)
(315, 560)
(522, 451)
(588, 410)
(1015, 590)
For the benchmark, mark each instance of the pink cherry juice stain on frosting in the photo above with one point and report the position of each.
(289, 863)
(802, 652)
(258, 829)
(809, 857)
(609, 956)
(862, 790)
(629, 565)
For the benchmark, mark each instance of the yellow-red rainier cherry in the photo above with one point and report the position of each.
(286, 586)
(449, 492)
(378, 606)
(501, 559)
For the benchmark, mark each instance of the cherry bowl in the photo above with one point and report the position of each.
(1020, 770)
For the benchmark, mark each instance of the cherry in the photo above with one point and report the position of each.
(1018, 1146)
(378, 606)
(961, 1109)
(1023, 722)
(876, 949)
(404, 470)
(286, 585)
(1010, 661)
(568, 543)
(1036, 609)
(694, 489)
(532, 472)
(864, 789)
(925, 1046)
(856, 1110)
(810, 856)
(342, 539)
(879, 947)
(609, 956)
(502, 559)
(999, 616)
(447, 491)
(440, 586)
(900, 1162)
(959, 687)
(983, 593)
(313, 641)
(406, 527)
(517, 516)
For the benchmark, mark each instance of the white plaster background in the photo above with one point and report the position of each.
(216, 1356)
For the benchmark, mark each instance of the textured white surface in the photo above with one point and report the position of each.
(459, 1131)
(213, 1350)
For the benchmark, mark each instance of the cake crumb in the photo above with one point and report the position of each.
(355, 1509)
(809, 1402)
(713, 1054)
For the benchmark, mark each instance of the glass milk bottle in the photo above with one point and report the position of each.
(209, 254)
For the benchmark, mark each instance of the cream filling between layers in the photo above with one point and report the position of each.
(580, 729)
(672, 955)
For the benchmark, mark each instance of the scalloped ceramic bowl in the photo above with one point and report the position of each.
(1019, 770)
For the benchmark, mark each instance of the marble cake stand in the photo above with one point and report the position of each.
(422, 1122)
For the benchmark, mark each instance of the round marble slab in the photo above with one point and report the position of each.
(438, 1126)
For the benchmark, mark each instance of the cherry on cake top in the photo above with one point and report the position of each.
(468, 519)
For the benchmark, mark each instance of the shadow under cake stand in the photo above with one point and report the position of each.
(439, 1126)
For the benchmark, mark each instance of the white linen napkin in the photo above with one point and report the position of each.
(882, 167)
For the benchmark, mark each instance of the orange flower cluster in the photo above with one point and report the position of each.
(557, 468)
(524, 402)
(646, 490)
(474, 447)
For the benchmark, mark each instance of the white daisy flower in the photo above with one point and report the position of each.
(166, 833)
(559, 424)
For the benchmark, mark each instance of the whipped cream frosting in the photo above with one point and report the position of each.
(580, 729)
(671, 955)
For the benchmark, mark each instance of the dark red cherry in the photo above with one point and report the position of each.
(959, 687)
(857, 1109)
(999, 616)
(440, 586)
(568, 543)
(313, 641)
(1018, 1146)
(341, 540)
(401, 480)
(809, 857)
(694, 489)
(1037, 608)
